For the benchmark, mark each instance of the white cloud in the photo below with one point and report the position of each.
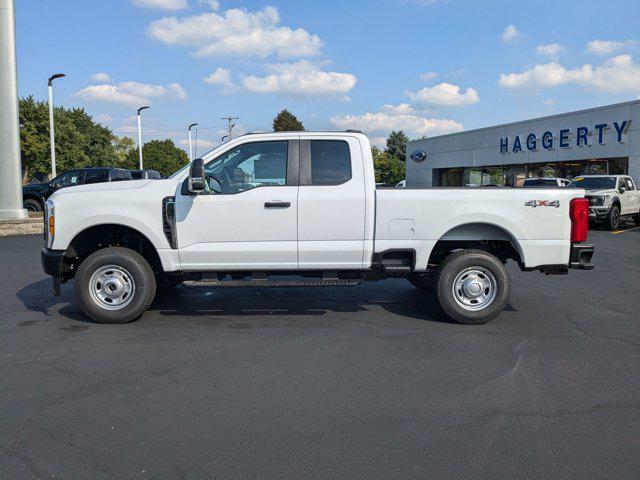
(552, 50)
(202, 144)
(131, 93)
(550, 102)
(161, 4)
(605, 47)
(236, 32)
(426, 76)
(302, 78)
(101, 77)
(221, 77)
(400, 109)
(103, 118)
(510, 33)
(381, 123)
(444, 94)
(616, 74)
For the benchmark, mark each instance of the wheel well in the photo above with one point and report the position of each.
(479, 236)
(108, 235)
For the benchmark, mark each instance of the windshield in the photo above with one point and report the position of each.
(594, 183)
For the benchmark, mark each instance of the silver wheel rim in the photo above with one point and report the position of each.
(475, 288)
(111, 287)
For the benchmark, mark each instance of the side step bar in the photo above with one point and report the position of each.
(269, 283)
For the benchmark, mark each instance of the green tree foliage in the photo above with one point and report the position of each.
(160, 155)
(397, 145)
(286, 121)
(80, 141)
(388, 170)
(122, 147)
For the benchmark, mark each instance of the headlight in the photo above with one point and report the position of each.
(49, 223)
(599, 201)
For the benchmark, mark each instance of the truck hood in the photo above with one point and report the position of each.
(104, 187)
(609, 191)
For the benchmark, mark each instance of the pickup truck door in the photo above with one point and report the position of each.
(331, 204)
(629, 199)
(251, 222)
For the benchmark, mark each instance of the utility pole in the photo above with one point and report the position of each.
(52, 135)
(190, 147)
(230, 126)
(140, 133)
(10, 170)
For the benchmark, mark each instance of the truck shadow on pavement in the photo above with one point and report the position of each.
(395, 298)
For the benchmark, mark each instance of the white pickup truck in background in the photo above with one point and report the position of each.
(303, 204)
(611, 197)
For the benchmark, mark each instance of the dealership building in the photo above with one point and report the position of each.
(604, 140)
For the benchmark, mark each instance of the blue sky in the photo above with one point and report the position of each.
(427, 67)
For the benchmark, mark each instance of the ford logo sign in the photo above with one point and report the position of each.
(418, 155)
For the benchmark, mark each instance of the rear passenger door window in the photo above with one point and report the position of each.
(330, 162)
(95, 176)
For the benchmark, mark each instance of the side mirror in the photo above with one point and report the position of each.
(622, 189)
(214, 185)
(238, 175)
(197, 180)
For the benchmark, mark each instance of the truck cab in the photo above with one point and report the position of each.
(304, 205)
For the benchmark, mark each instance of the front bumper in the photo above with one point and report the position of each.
(598, 213)
(580, 257)
(52, 261)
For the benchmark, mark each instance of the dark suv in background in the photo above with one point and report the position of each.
(35, 194)
(146, 175)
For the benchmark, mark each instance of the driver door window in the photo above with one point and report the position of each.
(249, 166)
(67, 179)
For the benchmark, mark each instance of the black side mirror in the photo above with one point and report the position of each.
(197, 180)
(622, 189)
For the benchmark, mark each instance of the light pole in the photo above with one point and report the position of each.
(140, 133)
(191, 149)
(52, 135)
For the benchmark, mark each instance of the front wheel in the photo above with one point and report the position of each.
(115, 285)
(473, 286)
(613, 218)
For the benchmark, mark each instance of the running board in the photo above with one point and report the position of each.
(270, 283)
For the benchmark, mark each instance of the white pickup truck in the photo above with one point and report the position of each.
(268, 209)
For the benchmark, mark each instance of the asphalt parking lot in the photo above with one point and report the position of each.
(360, 382)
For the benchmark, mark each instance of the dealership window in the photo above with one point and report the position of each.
(570, 170)
(493, 175)
(618, 166)
(451, 177)
(514, 175)
(472, 177)
(541, 170)
(597, 167)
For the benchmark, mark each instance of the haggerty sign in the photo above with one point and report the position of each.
(565, 138)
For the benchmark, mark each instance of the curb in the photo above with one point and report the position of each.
(27, 226)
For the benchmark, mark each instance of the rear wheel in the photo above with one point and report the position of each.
(32, 205)
(613, 219)
(473, 286)
(115, 285)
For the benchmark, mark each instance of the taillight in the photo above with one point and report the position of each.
(579, 214)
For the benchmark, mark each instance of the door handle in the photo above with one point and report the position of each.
(277, 204)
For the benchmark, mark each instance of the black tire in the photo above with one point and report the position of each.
(636, 219)
(142, 284)
(613, 218)
(32, 205)
(488, 269)
(421, 281)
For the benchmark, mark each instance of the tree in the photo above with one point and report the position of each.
(397, 145)
(160, 155)
(122, 147)
(80, 141)
(388, 170)
(286, 121)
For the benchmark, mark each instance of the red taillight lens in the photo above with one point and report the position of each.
(579, 214)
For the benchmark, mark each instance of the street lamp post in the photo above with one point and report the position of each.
(140, 134)
(52, 135)
(191, 149)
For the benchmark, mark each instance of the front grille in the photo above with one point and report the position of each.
(169, 220)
